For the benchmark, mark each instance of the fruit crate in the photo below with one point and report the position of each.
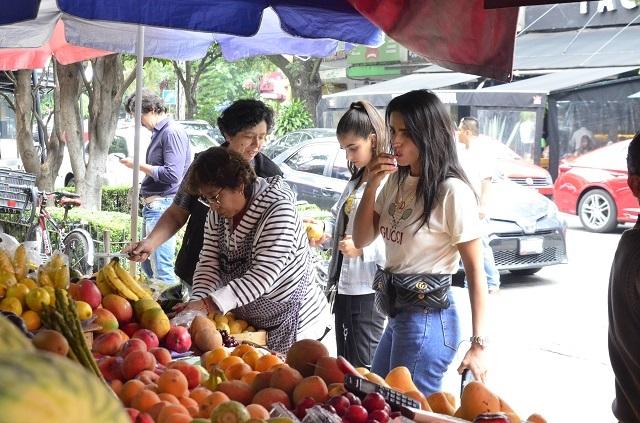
(13, 198)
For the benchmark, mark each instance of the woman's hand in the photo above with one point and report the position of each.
(347, 248)
(139, 251)
(381, 166)
(474, 361)
(199, 306)
(315, 242)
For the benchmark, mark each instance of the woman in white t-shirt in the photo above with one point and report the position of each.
(427, 214)
(359, 324)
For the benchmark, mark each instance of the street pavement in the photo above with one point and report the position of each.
(549, 351)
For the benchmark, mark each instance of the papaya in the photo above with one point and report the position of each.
(477, 399)
(418, 396)
(399, 378)
(44, 387)
(441, 404)
(375, 378)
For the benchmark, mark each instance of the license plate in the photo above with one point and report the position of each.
(529, 246)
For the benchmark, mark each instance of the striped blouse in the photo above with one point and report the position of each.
(279, 260)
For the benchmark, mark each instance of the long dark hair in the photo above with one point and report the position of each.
(363, 119)
(430, 127)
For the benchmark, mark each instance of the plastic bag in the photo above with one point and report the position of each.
(279, 410)
(317, 414)
(184, 318)
(8, 243)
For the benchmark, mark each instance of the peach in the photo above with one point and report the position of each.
(286, 379)
(148, 377)
(162, 355)
(131, 345)
(137, 361)
(149, 338)
(74, 291)
(189, 371)
(261, 380)
(144, 418)
(312, 386)
(269, 396)
(236, 391)
(327, 368)
(120, 307)
(107, 344)
(111, 368)
(106, 319)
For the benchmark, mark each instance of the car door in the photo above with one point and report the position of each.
(306, 172)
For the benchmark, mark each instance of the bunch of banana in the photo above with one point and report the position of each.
(113, 278)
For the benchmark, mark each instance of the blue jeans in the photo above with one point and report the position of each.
(159, 265)
(425, 343)
(493, 275)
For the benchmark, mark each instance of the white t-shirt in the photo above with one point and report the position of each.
(478, 163)
(415, 248)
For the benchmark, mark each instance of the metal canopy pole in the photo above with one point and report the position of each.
(136, 144)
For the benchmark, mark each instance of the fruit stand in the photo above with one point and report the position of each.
(101, 349)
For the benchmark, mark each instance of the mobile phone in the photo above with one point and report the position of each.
(467, 376)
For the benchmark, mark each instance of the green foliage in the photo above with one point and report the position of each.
(292, 117)
(226, 82)
(115, 199)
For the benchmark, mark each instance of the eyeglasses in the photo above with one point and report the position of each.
(208, 201)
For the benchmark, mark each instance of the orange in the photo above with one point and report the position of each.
(266, 362)
(32, 320)
(241, 349)
(251, 357)
(229, 361)
(236, 371)
(199, 394)
(164, 416)
(191, 405)
(176, 418)
(211, 402)
(168, 398)
(248, 378)
(213, 357)
(173, 382)
(144, 400)
(256, 411)
(129, 390)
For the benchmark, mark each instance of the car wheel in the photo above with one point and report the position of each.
(525, 272)
(598, 212)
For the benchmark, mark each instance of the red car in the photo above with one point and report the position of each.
(594, 186)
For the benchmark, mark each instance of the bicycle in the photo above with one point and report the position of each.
(72, 240)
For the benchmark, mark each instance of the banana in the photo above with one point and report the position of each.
(5, 262)
(20, 261)
(103, 283)
(117, 284)
(129, 281)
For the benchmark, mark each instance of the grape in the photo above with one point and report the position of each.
(227, 340)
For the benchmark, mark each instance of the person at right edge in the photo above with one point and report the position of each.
(359, 324)
(427, 214)
(479, 166)
(624, 307)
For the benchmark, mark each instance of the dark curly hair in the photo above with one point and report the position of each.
(243, 114)
(633, 156)
(150, 103)
(222, 168)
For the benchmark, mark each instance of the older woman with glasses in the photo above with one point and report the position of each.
(255, 259)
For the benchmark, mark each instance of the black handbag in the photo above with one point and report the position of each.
(397, 290)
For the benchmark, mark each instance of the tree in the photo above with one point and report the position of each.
(190, 77)
(23, 105)
(105, 91)
(304, 79)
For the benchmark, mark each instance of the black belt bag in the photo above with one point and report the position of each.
(397, 290)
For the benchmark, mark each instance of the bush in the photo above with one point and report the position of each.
(116, 199)
(292, 117)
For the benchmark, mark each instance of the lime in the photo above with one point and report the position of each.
(84, 310)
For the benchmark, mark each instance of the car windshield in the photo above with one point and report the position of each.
(200, 142)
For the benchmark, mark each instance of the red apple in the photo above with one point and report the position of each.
(144, 418)
(149, 338)
(178, 339)
(89, 293)
(74, 291)
(133, 414)
(131, 328)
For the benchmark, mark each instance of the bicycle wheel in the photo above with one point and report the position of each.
(78, 248)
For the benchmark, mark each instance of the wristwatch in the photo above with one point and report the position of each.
(483, 341)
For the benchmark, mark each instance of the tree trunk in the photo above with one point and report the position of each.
(190, 93)
(104, 105)
(67, 118)
(23, 106)
(304, 79)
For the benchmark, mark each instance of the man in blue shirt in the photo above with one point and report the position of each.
(167, 160)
